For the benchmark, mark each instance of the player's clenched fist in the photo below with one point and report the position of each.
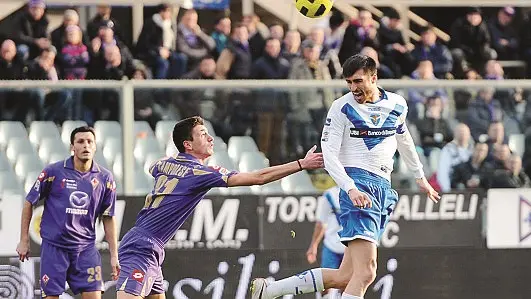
(23, 249)
(312, 160)
(360, 199)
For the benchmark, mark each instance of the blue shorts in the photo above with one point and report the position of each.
(366, 223)
(140, 258)
(330, 259)
(81, 269)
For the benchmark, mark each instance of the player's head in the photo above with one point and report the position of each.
(191, 136)
(360, 73)
(83, 143)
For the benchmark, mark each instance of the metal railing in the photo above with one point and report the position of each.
(126, 91)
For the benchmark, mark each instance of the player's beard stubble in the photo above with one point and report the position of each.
(362, 95)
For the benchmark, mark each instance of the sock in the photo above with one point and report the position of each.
(310, 281)
(347, 296)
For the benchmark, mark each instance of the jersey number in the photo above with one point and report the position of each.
(162, 186)
(94, 274)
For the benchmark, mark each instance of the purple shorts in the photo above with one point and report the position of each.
(140, 258)
(81, 269)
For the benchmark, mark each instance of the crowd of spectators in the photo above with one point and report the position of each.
(250, 49)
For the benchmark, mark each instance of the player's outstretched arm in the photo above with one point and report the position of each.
(23, 247)
(109, 225)
(312, 160)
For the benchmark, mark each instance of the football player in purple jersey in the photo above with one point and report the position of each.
(76, 191)
(180, 183)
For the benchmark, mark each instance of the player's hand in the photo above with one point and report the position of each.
(23, 250)
(312, 160)
(360, 199)
(115, 266)
(311, 254)
(426, 187)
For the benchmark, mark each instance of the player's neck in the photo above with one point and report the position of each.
(198, 157)
(82, 166)
(376, 95)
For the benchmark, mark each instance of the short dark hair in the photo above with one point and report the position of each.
(357, 62)
(182, 131)
(82, 129)
(163, 7)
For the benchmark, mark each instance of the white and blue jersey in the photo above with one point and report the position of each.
(328, 213)
(359, 142)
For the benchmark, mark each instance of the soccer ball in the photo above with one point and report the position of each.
(314, 8)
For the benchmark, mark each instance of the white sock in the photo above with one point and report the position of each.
(347, 296)
(310, 281)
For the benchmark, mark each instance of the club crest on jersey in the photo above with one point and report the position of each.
(375, 118)
(94, 183)
(45, 279)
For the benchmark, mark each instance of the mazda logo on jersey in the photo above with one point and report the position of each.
(79, 199)
(372, 132)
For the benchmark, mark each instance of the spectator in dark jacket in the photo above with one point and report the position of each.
(394, 48)
(438, 54)
(270, 65)
(221, 35)
(291, 45)
(470, 42)
(102, 18)
(504, 38)
(482, 111)
(11, 65)
(434, 131)
(70, 17)
(475, 173)
(156, 46)
(31, 34)
(192, 41)
(512, 176)
(359, 33)
(235, 61)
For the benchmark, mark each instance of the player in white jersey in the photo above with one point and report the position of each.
(327, 226)
(362, 132)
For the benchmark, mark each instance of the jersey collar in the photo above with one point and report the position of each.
(69, 164)
(383, 95)
(184, 157)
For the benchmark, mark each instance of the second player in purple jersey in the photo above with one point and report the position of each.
(180, 184)
(75, 191)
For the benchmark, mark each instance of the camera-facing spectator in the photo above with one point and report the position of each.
(205, 70)
(70, 17)
(235, 62)
(258, 32)
(74, 58)
(482, 111)
(504, 38)
(102, 18)
(359, 33)
(221, 34)
(270, 65)
(394, 48)
(383, 71)
(156, 46)
(500, 154)
(429, 49)
(291, 47)
(192, 41)
(31, 33)
(417, 96)
(475, 173)
(434, 131)
(512, 176)
(11, 66)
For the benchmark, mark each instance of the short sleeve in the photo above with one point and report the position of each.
(42, 186)
(213, 176)
(109, 197)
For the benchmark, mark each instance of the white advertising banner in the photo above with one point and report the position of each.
(509, 218)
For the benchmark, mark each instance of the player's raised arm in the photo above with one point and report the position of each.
(312, 160)
(331, 140)
(408, 152)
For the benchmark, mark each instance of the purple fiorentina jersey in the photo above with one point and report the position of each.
(180, 183)
(72, 202)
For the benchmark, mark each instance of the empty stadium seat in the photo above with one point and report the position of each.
(143, 184)
(145, 146)
(30, 180)
(111, 148)
(9, 130)
(106, 129)
(18, 146)
(221, 159)
(10, 182)
(4, 162)
(209, 128)
(171, 150)
(240, 144)
(49, 146)
(143, 129)
(298, 183)
(56, 157)
(163, 131)
(251, 161)
(40, 130)
(273, 188)
(219, 144)
(100, 159)
(27, 163)
(517, 144)
(150, 159)
(67, 127)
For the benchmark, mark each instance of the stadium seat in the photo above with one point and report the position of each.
(117, 166)
(49, 146)
(239, 145)
(4, 162)
(273, 188)
(56, 157)
(18, 146)
(219, 144)
(10, 182)
(143, 184)
(251, 161)
(143, 130)
(111, 148)
(30, 179)
(433, 159)
(221, 159)
(100, 159)
(67, 127)
(40, 130)
(150, 159)
(9, 130)
(209, 128)
(163, 131)
(106, 129)
(298, 183)
(171, 150)
(27, 163)
(517, 144)
(145, 146)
